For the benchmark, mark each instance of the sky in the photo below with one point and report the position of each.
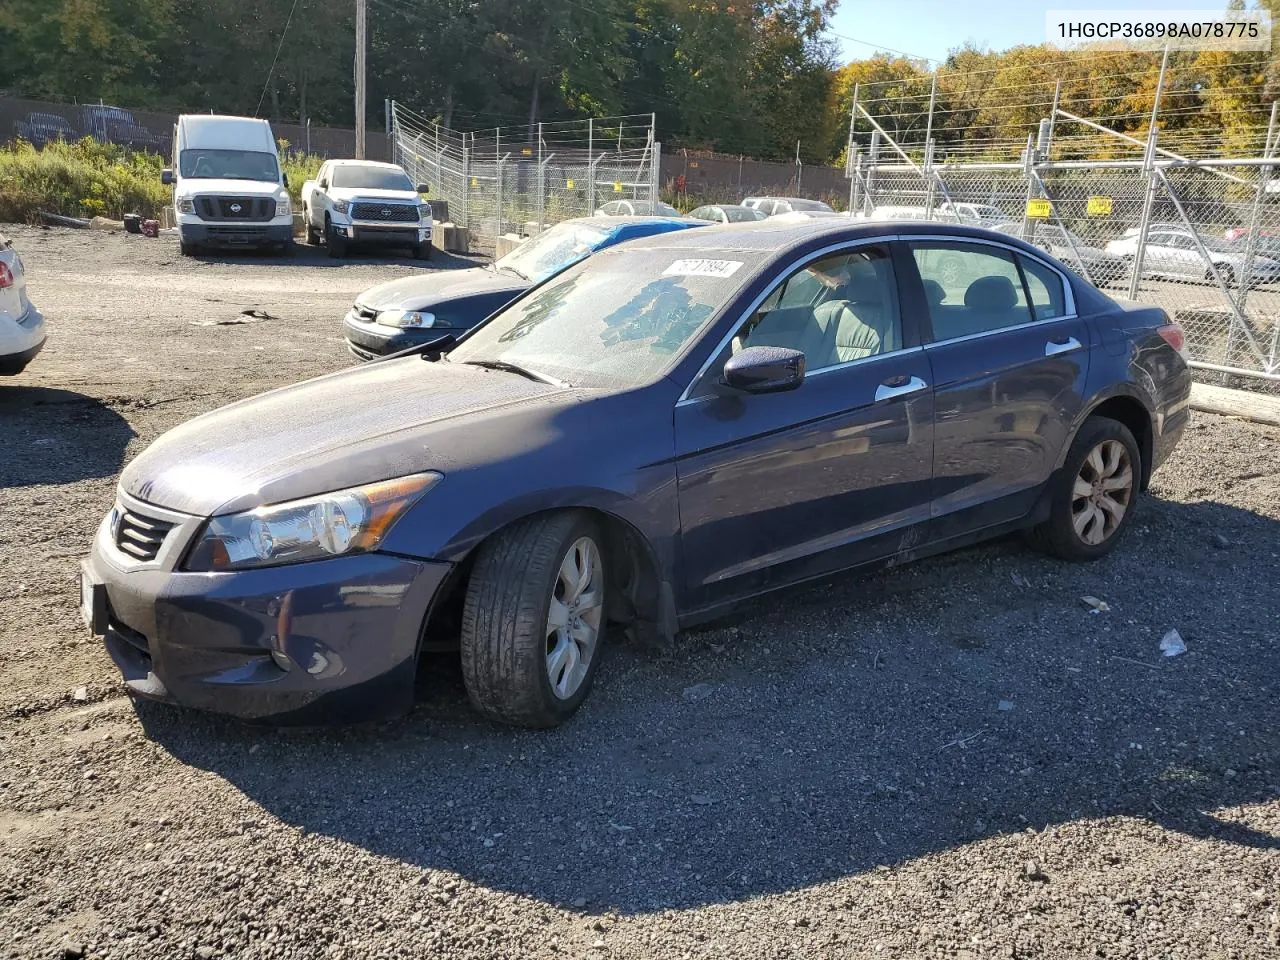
(932, 28)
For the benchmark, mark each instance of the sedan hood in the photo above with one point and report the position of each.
(358, 426)
(427, 290)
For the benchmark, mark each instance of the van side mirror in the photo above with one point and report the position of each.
(764, 370)
(166, 177)
(424, 188)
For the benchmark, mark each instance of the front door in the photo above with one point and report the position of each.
(774, 488)
(1009, 361)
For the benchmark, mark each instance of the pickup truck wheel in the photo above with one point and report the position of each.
(534, 618)
(1094, 495)
(313, 236)
(334, 243)
(188, 249)
(422, 251)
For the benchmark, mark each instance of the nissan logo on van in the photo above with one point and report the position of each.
(236, 208)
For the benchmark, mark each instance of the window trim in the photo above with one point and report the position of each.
(686, 397)
(1069, 294)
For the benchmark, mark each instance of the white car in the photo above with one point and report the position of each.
(365, 202)
(21, 325)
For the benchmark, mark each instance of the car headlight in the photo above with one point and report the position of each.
(284, 208)
(329, 525)
(341, 206)
(410, 318)
(186, 205)
(424, 212)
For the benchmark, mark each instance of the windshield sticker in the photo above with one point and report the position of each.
(702, 268)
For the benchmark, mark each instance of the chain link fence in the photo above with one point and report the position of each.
(520, 180)
(1197, 237)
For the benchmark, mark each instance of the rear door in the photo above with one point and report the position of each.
(1009, 360)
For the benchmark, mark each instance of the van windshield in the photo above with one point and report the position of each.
(229, 165)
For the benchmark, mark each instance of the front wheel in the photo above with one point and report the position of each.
(534, 618)
(422, 251)
(188, 249)
(335, 243)
(1094, 494)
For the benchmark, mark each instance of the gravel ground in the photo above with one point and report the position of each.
(951, 759)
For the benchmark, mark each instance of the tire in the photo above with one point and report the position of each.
(313, 236)
(1071, 532)
(188, 249)
(950, 269)
(1228, 275)
(335, 245)
(507, 623)
(422, 251)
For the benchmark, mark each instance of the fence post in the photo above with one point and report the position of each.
(655, 171)
(855, 188)
(466, 185)
(1028, 225)
(1149, 199)
(591, 186)
(497, 163)
(929, 179)
(1255, 216)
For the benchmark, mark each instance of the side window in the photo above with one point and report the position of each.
(971, 288)
(837, 309)
(1048, 297)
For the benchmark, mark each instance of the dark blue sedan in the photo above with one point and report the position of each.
(638, 443)
(404, 313)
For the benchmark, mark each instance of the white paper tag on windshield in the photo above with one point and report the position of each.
(702, 268)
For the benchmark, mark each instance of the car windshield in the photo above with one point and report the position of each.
(799, 204)
(371, 178)
(742, 214)
(551, 251)
(619, 319)
(229, 165)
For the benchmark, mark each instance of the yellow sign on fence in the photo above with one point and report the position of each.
(617, 188)
(1099, 206)
(526, 151)
(568, 184)
(475, 182)
(1039, 209)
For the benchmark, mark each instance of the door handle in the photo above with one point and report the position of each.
(892, 389)
(1055, 347)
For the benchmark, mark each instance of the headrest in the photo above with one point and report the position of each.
(864, 284)
(991, 293)
(933, 292)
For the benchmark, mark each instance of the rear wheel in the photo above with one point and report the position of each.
(1094, 494)
(533, 619)
(313, 235)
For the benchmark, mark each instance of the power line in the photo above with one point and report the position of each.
(279, 47)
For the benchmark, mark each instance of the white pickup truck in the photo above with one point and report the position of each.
(364, 202)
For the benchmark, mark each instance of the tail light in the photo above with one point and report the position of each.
(1172, 334)
(6, 276)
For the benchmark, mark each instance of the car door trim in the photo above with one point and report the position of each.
(783, 275)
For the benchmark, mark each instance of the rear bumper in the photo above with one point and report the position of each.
(332, 641)
(12, 364)
(20, 341)
(236, 234)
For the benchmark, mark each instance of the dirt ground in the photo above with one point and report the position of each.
(951, 759)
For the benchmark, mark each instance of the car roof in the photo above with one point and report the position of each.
(364, 163)
(778, 233)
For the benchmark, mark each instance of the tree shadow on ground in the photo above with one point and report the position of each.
(847, 724)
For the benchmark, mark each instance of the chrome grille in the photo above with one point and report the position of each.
(140, 537)
(224, 208)
(385, 212)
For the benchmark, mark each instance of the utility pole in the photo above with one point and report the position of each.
(362, 49)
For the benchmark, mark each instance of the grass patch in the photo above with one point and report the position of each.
(88, 178)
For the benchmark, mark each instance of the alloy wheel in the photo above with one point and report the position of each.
(574, 617)
(1102, 492)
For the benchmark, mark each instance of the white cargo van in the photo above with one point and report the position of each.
(228, 188)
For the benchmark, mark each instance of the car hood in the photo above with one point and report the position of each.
(360, 193)
(193, 186)
(357, 426)
(426, 290)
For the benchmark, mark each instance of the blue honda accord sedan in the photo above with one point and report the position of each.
(634, 445)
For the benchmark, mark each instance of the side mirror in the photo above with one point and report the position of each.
(424, 188)
(284, 179)
(764, 370)
(166, 177)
